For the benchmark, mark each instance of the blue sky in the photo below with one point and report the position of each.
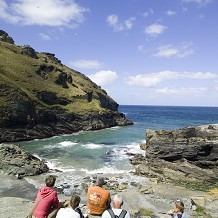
(142, 52)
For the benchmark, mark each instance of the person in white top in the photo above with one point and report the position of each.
(70, 212)
(116, 211)
(178, 211)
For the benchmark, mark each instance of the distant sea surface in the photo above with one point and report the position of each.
(106, 151)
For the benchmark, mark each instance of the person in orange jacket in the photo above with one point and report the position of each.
(98, 198)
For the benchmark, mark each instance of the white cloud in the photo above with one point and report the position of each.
(114, 22)
(153, 79)
(146, 80)
(200, 2)
(183, 91)
(43, 13)
(181, 51)
(103, 77)
(170, 13)
(155, 29)
(44, 36)
(5, 14)
(86, 64)
(148, 13)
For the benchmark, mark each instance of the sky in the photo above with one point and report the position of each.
(141, 52)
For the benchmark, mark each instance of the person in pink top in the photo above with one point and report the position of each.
(46, 200)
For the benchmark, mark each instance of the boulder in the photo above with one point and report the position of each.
(4, 37)
(51, 57)
(16, 161)
(188, 154)
(28, 51)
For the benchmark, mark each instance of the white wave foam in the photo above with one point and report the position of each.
(56, 165)
(115, 128)
(67, 170)
(36, 155)
(105, 170)
(134, 148)
(67, 143)
(123, 152)
(52, 164)
(92, 146)
(78, 133)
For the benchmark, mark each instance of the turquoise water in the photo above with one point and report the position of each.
(106, 151)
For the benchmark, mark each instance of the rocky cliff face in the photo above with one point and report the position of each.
(189, 154)
(40, 97)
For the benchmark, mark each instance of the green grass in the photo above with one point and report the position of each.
(145, 212)
(201, 212)
(196, 186)
(82, 106)
(18, 71)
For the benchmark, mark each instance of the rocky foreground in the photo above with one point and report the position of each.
(149, 200)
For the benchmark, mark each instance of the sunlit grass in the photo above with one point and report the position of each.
(19, 72)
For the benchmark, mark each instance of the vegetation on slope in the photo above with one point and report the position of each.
(37, 89)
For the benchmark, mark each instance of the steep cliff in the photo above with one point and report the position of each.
(40, 97)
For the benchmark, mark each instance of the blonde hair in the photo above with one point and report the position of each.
(179, 205)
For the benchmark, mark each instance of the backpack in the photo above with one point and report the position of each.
(122, 214)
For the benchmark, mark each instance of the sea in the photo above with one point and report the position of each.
(107, 152)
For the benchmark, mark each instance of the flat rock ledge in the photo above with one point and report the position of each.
(186, 155)
(16, 161)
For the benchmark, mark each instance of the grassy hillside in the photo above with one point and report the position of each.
(20, 72)
(40, 97)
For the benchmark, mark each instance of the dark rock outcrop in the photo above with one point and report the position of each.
(51, 98)
(21, 119)
(107, 104)
(48, 123)
(50, 56)
(188, 154)
(4, 37)
(16, 161)
(28, 51)
(62, 80)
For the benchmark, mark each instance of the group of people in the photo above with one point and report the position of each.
(99, 204)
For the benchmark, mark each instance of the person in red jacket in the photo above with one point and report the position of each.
(46, 200)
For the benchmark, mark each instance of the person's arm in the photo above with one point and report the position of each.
(38, 199)
(109, 201)
(56, 201)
